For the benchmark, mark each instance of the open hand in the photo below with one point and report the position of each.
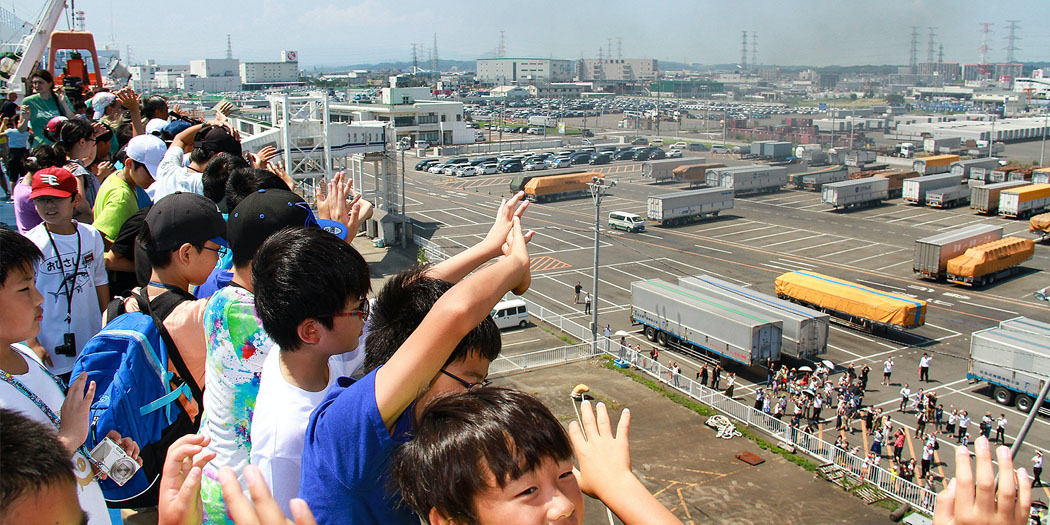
(74, 413)
(262, 509)
(508, 209)
(180, 482)
(518, 251)
(264, 156)
(974, 500)
(605, 458)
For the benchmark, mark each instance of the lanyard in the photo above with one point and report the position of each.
(69, 287)
(24, 390)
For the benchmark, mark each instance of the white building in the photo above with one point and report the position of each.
(560, 89)
(523, 70)
(413, 114)
(152, 77)
(621, 69)
(207, 84)
(215, 67)
(285, 71)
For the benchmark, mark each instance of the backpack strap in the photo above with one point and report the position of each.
(168, 304)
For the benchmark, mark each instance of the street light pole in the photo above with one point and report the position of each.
(1042, 147)
(598, 189)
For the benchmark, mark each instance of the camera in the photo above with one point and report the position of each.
(116, 463)
(68, 347)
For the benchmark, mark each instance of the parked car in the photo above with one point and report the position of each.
(674, 154)
(588, 133)
(679, 146)
(559, 162)
(625, 154)
(426, 163)
(642, 154)
(696, 146)
(582, 157)
(601, 158)
(657, 154)
(467, 171)
(489, 168)
(510, 166)
(640, 141)
(718, 148)
(534, 165)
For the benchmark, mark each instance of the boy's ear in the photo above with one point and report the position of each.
(309, 331)
(184, 251)
(435, 518)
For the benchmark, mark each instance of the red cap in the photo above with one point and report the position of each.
(53, 182)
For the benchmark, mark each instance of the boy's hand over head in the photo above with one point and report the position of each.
(74, 413)
(507, 210)
(605, 458)
(263, 157)
(974, 500)
(180, 482)
(518, 252)
(262, 509)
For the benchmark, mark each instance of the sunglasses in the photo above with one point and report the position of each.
(360, 312)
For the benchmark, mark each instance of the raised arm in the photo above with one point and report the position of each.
(458, 266)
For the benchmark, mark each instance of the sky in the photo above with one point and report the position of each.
(343, 32)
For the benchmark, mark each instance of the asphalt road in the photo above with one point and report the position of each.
(761, 238)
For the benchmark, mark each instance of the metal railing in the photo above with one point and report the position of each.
(499, 147)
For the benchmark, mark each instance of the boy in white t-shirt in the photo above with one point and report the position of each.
(72, 274)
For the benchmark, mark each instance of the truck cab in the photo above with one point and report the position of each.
(906, 150)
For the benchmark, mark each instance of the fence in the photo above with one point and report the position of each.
(433, 251)
(499, 147)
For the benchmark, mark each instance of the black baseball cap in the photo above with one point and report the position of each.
(263, 214)
(216, 139)
(181, 218)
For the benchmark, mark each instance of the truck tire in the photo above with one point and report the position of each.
(661, 337)
(1002, 396)
(650, 333)
(1023, 403)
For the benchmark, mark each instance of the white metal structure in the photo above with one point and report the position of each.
(32, 47)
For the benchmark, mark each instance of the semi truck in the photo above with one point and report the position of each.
(914, 190)
(964, 168)
(1041, 176)
(1040, 224)
(896, 178)
(985, 198)
(671, 209)
(1025, 201)
(855, 193)
(941, 144)
(748, 179)
(559, 187)
(815, 179)
(948, 197)
(1011, 172)
(663, 170)
(805, 331)
(694, 174)
(989, 262)
(932, 253)
(1014, 359)
(934, 164)
(673, 315)
(852, 304)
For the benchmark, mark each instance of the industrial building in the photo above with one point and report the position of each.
(523, 70)
(413, 113)
(619, 69)
(261, 74)
(1007, 130)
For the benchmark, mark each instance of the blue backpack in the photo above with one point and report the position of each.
(136, 395)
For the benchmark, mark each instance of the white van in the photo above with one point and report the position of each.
(511, 313)
(656, 142)
(628, 222)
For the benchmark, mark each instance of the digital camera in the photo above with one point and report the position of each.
(68, 347)
(116, 463)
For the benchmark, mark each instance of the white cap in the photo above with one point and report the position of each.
(148, 150)
(100, 101)
(155, 126)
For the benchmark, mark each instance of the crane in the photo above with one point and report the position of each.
(34, 44)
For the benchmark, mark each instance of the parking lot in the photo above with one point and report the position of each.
(761, 238)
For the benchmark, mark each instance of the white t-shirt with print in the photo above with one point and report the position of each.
(38, 382)
(172, 176)
(85, 319)
(282, 413)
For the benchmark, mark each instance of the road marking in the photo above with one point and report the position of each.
(763, 237)
(818, 246)
(874, 256)
(781, 268)
(990, 307)
(545, 263)
(733, 224)
(712, 249)
(745, 231)
(892, 265)
(909, 217)
(792, 240)
(504, 345)
(800, 263)
(880, 284)
(838, 253)
(651, 235)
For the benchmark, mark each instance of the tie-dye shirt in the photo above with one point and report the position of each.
(237, 348)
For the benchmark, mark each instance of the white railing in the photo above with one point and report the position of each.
(431, 249)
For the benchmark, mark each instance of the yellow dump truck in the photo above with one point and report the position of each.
(988, 262)
(856, 305)
(558, 187)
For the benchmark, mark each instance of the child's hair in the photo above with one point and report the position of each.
(17, 252)
(399, 309)
(466, 440)
(157, 258)
(155, 106)
(246, 181)
(43, 156)
(217, 172)
(31, 457)
(69, 133)
(305, 273)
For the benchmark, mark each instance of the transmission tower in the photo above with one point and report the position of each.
(985, 29)
(913, 59)
(929, 49)
(415, 58)
(229, 47)
(743, 52)
(754, 50)
(608, 49)
(619, 48)
(940, 53)
(1011, 40)
(501, 49)
(435, 63)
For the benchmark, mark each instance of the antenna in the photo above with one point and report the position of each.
(754, 50)
(229, 47)
(608, 48)
(913, 59)
(940, 53)
(1011, 40)
(985, 29)
(415, 58)
(435, 62)
(929, 49)
(619, 48)
(501, 49)
(743, 52)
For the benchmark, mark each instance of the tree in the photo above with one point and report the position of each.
(894, 99)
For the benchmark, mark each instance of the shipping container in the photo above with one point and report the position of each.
(662, 170)
(989, 262)
(932, 253)
(1024, 201)
(558, 187)
(814, 179)
(777, 150)
(939, 144)
(855, 193)
(1040, 177)
(948, 197)
(807, 149)
(981, 174)
(857, 305)
(1014, 359)
(934, 164)
(695, 174)
(805, 330)
(963, 168)
(672, 314)
(680, 207)
(1011, 172)
(748, 179)
(859, 158)
(914, 190)
(984, 198)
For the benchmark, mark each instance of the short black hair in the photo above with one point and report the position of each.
(155, 106)
(461, 436)
(157, 258)
(246, 181)
(200, 155)
(17, 252)
(399, 309)
(217, 172)
(305, 273)
(31, 457)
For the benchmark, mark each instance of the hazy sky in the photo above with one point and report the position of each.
(340, 32)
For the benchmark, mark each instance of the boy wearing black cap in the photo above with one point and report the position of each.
(72, 275)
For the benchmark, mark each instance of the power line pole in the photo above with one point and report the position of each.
(929, 49)
(501, 49)
(1011, 40)
(743, 52)
(599, 187)
(754, 50)
(985, 29)
(913, 58)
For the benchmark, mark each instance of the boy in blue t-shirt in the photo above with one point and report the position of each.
(426, 338)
